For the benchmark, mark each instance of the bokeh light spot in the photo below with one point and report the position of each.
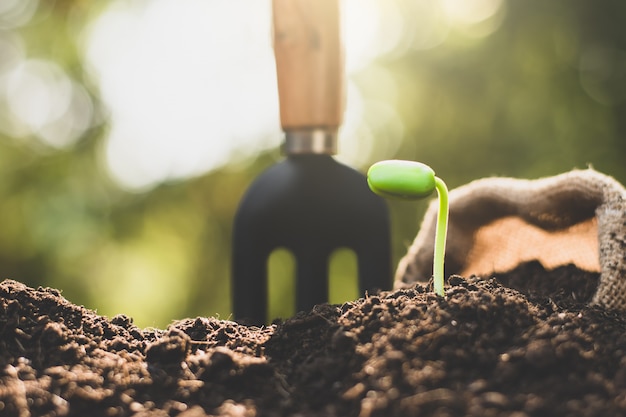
(43, 101)
(38, 92)
(474, 18)
(15, 13)
(470, 12)
(603, 74)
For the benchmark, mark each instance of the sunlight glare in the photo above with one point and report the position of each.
(426, 24)
(186, 84)
(371, 28)
(192, 85)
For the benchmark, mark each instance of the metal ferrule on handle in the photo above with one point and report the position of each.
(310, 141)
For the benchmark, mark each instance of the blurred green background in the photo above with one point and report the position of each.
(129, 130)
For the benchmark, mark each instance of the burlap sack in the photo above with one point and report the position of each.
(497, 223)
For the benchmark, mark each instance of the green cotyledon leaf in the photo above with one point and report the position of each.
(401, 179)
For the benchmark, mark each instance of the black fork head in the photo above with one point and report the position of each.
(311, 205)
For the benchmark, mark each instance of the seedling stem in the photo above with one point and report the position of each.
(440, 236)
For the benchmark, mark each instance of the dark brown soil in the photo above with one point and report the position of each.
(484, 350)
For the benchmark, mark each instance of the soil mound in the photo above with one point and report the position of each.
(520, 344)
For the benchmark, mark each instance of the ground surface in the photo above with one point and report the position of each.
(484, 350)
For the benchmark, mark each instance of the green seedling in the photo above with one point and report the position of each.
(411, 180)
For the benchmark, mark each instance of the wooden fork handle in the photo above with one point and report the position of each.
(309, 63)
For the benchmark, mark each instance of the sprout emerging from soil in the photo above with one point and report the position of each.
(413, 180)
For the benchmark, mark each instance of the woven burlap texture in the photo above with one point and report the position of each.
(495, 224)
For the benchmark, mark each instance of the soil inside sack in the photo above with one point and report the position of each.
(524, 343)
